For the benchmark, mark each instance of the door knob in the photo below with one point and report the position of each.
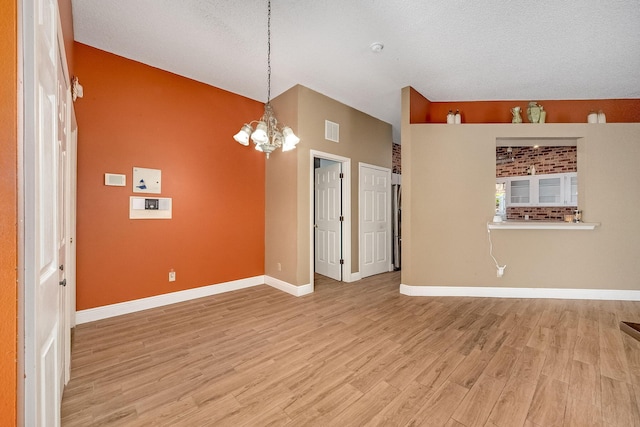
(63, 282)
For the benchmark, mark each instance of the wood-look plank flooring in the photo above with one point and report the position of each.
(358, 354)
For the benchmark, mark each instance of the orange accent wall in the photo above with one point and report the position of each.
(136, 115)
(558, 111)
(419, 110)
(8, 212)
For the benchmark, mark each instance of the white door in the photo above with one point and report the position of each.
(43, 210)
(328, 230)
(64, 192)
(375, 222)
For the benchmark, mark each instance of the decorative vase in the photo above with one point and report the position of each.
(601, 117)
(515, 111)
(533, 112)
(543, 115)
(592, 117)
(457, 117)
(450, 118)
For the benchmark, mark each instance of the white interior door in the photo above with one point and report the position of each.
(328, 233)
(44, 173)
(375, 222)
(64, 203)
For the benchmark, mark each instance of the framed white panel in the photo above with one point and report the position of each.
(150, 207)
(147, 180)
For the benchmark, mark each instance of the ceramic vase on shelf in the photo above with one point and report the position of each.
(451, 118)
(515, 111)
(601, 117)
(543, 115)
(533, 112)
(592, 117)
(457, 117)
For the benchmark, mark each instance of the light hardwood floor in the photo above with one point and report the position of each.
(358, 354)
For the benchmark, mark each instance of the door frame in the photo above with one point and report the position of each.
(68, 319)
(346, 212)
(27, 400)
(330, 266)
(389, 228)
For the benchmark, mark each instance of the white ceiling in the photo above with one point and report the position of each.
(448, 50)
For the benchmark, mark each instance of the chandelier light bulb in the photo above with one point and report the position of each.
(290, 137)
(243, 136)
(287, 146)
(259, 136)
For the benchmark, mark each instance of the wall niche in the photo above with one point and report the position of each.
(515, 158)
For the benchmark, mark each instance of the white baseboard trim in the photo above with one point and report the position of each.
(112, 310)
(281, 285)
(354, 277)
(555, 293)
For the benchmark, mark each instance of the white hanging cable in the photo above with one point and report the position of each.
(500, 270)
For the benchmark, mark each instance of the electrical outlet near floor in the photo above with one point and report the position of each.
(172, 276)
(279, 267)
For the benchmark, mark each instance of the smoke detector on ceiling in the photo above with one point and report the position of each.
(376, 47)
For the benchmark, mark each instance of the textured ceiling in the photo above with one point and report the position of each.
(448, 50)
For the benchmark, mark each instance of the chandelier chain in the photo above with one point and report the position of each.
(269, 52)
(268, 135)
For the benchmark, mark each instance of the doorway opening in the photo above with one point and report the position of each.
(330, 216)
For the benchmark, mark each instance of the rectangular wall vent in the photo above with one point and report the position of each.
(331, 131)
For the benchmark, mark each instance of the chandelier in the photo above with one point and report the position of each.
(267, 136)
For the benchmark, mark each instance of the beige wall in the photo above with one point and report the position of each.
(281, 194)
(362, 139)
(448, 189)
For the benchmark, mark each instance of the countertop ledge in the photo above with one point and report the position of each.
(541, 225)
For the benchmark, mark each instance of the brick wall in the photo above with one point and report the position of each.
(546, 160)
(545, 213)
(397, 156)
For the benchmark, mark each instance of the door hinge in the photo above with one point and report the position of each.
(341, 218)
(341, 262)
(341, 174)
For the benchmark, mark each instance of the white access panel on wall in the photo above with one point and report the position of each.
(150, 207)
(147, 180)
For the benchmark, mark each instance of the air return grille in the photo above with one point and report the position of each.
(331, 131)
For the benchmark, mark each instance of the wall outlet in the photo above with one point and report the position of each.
(279, 267)
(172, 276)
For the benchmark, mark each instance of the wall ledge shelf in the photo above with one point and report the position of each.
(541, 225)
